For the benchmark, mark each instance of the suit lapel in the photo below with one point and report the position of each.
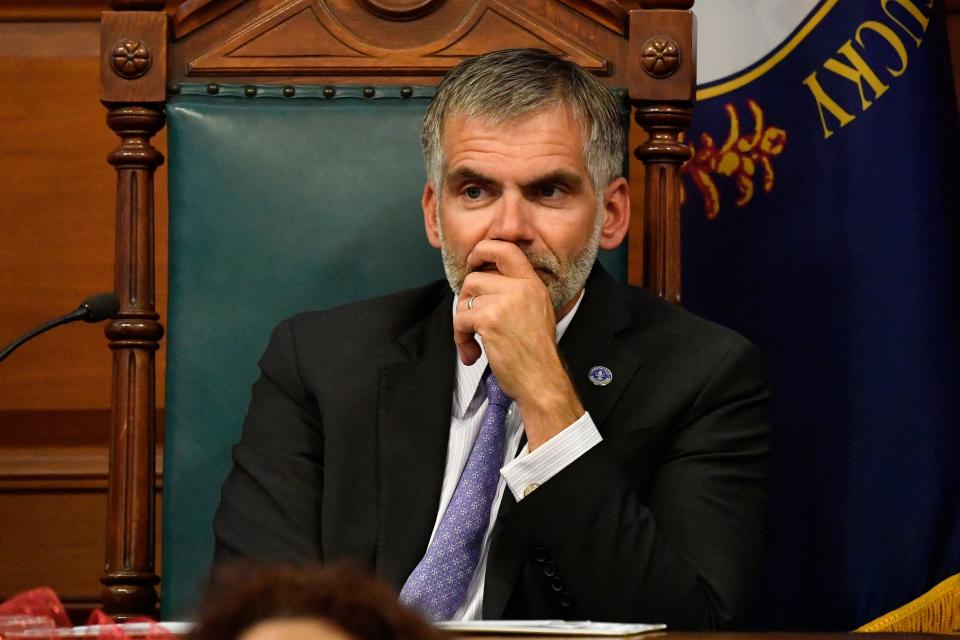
(415, 404)
(590, 340)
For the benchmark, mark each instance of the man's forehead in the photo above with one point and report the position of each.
(550, 134)
(502, 122)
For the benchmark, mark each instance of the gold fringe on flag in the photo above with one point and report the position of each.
(936, 611)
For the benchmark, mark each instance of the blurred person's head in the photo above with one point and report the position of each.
(305, 604)
(294, 629)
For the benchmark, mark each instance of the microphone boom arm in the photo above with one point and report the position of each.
(93, 309)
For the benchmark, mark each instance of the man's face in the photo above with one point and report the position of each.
(523, 181)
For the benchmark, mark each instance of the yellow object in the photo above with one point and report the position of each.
(936, 611)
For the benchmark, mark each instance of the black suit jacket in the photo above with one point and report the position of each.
(343, 453)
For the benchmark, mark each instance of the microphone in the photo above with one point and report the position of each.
(94, 309)
(98, 307)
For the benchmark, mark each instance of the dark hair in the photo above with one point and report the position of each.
(364, 608)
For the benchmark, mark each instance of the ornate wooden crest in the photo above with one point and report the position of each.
(318, 36)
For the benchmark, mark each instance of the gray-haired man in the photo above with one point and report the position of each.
(529, 439)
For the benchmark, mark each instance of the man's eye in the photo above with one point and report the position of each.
(473, 192)
(549, 191)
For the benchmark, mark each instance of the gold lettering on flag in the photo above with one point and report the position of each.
(914, 12)
(858, 71)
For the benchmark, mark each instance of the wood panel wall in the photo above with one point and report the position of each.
(56, 247)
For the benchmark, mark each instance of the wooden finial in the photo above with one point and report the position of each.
(129, 577)
(661, 72)
(133, 74)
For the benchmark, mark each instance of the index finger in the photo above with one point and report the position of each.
(506, 256)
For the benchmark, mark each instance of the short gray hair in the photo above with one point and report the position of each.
(511, 83)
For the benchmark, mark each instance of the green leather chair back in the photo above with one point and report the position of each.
(278, 204)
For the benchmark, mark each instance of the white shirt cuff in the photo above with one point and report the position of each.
(528, 470)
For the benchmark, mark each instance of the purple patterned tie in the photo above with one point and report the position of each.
(438, 585)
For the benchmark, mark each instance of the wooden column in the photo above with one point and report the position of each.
(662, 82)
(133, 41)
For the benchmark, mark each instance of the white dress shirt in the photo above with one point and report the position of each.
(521, 472)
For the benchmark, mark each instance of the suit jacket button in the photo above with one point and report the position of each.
(557, 585)
(549, 569)
(539, 554)
(565, 600)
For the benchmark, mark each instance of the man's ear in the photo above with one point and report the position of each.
(429, 203)
(616, 217)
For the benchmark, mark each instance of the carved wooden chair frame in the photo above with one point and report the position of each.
(646, 46)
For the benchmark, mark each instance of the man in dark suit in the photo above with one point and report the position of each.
(442, 436)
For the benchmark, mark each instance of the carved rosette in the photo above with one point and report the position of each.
(130, 58)
(660, 56)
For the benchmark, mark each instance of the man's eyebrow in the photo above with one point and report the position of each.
(466, 174)
(562, 176)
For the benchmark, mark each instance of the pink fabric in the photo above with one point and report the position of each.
(44, 602)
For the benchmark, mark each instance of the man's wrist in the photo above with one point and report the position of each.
(549, 410)
(529, 470)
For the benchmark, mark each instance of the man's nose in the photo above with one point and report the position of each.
(513, 220)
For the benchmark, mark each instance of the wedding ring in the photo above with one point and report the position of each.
(470, 302)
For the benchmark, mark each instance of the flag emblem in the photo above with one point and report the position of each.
(739, 157)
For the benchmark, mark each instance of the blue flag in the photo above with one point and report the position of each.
(820, 220)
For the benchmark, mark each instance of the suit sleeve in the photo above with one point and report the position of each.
(270, 502)
(686, 552)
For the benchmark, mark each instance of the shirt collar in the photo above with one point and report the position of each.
(468, 377)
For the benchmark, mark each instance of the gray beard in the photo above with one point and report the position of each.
(563, 284)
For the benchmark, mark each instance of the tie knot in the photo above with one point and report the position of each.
(494, 393)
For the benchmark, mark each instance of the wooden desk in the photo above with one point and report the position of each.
(680, 635)
(704, 635)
